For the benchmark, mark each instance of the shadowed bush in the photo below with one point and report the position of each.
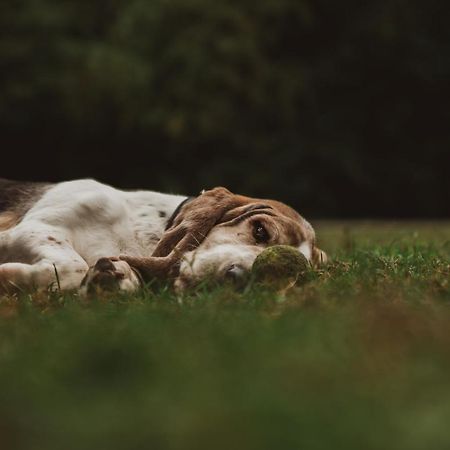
(338, 110)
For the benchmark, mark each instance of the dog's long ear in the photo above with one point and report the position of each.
(196, 219)
(188, 230)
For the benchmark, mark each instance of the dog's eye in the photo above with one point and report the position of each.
(260, 233)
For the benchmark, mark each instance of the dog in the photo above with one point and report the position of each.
(84, 235)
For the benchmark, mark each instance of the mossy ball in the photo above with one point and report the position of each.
(278, 264)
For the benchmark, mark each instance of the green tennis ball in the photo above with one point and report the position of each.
(279, 264)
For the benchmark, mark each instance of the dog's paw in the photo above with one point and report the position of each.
(109, 275)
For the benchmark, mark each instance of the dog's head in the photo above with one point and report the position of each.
(220, 234)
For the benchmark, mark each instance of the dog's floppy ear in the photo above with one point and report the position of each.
(196, 219)
(188, 230)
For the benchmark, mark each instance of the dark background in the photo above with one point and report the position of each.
(339, 108)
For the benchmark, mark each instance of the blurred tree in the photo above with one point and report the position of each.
(339, 109)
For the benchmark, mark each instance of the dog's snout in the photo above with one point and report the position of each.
(104, 264)
(235, 273)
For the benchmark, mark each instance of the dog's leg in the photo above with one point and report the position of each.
(64, 274)
(46, 261)
(45, 274)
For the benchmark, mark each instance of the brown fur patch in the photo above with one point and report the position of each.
(17, 197)
(195, 220)
(8, 220)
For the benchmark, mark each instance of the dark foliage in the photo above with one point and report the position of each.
(340, 109)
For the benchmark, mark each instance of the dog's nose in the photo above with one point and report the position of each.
(235, 273)
(104, 264)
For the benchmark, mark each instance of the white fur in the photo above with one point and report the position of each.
(305, 249)
(74, 224)
(215, 260)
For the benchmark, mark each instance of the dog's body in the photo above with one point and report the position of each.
(70, 234)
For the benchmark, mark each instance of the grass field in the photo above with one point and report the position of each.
(358, 357)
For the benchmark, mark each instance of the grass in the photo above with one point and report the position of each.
(358, 357)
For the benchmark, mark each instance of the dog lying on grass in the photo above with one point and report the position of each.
(84, 235)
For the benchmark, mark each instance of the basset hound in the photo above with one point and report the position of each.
(84, 235)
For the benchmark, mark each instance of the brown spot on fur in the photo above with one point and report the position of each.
(8, 220)
(52, 239)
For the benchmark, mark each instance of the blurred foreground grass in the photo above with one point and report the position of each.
(356, 358)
